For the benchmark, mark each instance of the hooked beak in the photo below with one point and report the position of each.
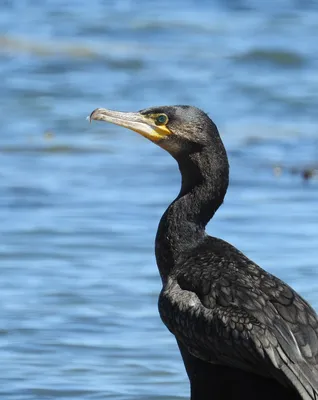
(135, 121)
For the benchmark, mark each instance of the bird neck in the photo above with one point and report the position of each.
(205, 176)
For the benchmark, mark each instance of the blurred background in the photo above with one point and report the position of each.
(80, 203)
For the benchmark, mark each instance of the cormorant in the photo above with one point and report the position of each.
(242, 332)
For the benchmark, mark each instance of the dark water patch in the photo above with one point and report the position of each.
(130, 64)
(272, 57)
(60, 393)
(27, 191)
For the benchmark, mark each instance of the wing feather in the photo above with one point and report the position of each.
(231, 312)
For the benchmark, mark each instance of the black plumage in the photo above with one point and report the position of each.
(242, 332)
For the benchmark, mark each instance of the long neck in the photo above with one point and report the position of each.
(182, 227)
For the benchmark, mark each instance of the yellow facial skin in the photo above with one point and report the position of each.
(153, 127)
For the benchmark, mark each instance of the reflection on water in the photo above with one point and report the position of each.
(80, 203)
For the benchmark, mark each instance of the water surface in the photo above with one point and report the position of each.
(80, 203)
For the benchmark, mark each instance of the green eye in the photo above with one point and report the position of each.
(161, 119)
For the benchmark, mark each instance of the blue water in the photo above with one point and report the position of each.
(80, 203)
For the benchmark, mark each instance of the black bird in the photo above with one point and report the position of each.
(242, 332)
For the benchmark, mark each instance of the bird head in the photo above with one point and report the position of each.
(177, 129)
